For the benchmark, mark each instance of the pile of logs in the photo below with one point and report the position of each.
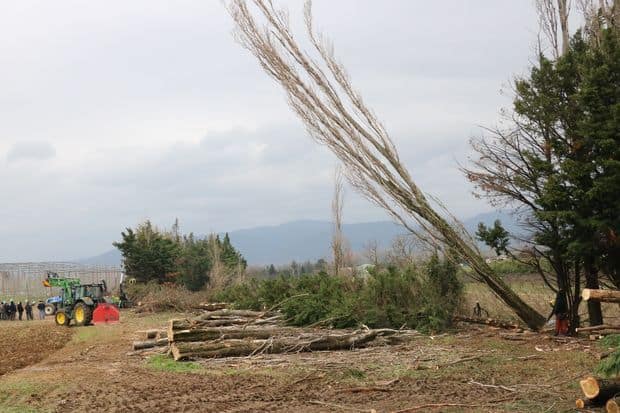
(220, 332)
(208, 336)
(600, 392)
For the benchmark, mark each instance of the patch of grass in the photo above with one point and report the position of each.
(353, 373)
(164, 363)
(14, 395)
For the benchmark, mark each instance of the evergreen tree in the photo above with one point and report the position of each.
(148, 255)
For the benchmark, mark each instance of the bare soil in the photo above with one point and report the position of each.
(476, 369)
(23, 343)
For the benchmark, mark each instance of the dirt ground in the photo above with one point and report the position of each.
(474, 369)
(27, 342)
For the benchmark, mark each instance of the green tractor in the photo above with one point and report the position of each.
(83, 303)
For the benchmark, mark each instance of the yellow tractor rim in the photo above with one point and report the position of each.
(60, 318)
(79, 314)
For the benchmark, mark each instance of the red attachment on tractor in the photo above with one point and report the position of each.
(105, 313)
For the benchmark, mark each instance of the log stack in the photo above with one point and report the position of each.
(221, 332)
(599, 392)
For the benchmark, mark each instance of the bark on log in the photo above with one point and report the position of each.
(212, 306)
(597, 328)
(234, 347)
(487, 321)
(151, 334)
(140, 345)
(599, 390)
(206, 334)
(211, 315)
(613, 405)
(187, 324)
(606, 296)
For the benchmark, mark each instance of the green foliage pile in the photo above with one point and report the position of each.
(152, 255)
(424, 298)
(610, 366)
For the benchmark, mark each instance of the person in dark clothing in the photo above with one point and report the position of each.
(2, 313)
(28, 308)
(560, 310)
(20, 310)
(41, 308)
(7, 311)
(12, 310)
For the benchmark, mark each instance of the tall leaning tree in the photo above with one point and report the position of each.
(335, 115)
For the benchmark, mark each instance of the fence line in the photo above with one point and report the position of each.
(24, 280)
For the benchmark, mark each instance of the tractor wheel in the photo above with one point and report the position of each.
(61, 318)
(82, 314)
(50, 309)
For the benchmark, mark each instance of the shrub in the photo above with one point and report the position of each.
(423, 298)
(610, 366)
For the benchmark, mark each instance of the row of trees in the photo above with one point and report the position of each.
(558, 162)
(151, 254)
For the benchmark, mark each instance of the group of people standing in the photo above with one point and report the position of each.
(11, 311)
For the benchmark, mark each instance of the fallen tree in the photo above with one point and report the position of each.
(320, 92)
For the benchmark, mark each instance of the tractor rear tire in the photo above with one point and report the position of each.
(50, 309)
(61, 318)
(82, 314)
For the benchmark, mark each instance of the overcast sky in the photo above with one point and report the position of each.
(118, 111)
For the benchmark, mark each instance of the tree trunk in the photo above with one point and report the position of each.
(594, 308)
(606, 296)
(140, 345)
(574, 319)
(206, 334)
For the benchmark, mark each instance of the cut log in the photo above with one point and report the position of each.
(211, 315)
(613, 405)
(598, 328)
(187, 324)
(151, 334)
(583, 403)
(487, 321)
(606, 296)
(212, 306)
(140, 345)
(599, 390)
(235, 347)
(206, 334)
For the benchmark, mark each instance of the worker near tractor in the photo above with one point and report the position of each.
(560, 311)
(41, 308)
(20, 310)
(28, 308)
(12, 310)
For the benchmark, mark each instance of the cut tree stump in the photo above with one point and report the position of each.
(606, 296)
(599, 390)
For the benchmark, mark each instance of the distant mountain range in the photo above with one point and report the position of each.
(310, 240)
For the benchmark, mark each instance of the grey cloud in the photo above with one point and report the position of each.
(36, 151)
